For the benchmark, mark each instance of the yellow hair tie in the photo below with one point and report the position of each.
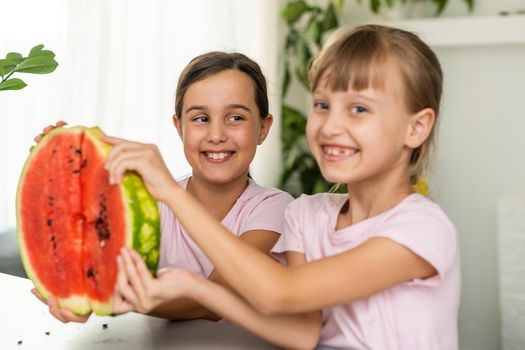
(421, 186)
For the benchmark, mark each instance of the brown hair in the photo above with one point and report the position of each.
(357, 56)
(214, 62)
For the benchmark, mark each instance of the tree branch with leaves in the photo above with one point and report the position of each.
(38, 61)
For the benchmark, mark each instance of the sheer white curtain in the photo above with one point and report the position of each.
(119, 62)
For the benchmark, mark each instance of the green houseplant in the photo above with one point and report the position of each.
(307, 24)
(440, 5)
(38, 61)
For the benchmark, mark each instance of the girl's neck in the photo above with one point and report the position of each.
(368, 200)
(218, 198)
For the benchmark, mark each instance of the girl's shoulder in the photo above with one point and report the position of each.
(419, 206)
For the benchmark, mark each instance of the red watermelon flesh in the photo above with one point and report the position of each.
(72, 223)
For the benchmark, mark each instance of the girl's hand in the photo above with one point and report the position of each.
(46, 130)
(138, 288)
(63, 315)
(145, 159)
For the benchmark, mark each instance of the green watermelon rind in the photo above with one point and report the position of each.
(142, 216)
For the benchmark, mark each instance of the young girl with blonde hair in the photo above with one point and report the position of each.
(377, 268)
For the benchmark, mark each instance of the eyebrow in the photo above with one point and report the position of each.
(230, 106)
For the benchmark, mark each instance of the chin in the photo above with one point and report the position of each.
(334, 177)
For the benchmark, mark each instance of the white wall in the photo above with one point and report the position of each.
(480, 161)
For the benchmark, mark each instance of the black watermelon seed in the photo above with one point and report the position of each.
(90, 273)
(105, 326)
(78, 151)
(49, 222)
(19, 342)
(84, 163)
(48, 333)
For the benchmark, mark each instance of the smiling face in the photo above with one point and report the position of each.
(360, 136)
(221, 126)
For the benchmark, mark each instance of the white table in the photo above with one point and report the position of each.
(25, 319)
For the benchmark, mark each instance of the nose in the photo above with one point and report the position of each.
(216, 131)
(333, 124)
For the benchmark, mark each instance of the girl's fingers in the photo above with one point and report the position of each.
(123, 286)
(54, 309)
(126, 161)
(48, 129)
(111, 139)
(60, 123)
(121, 147)
(120, 304)
(71, 317)
(142, 269)
(39, 297)
(132, 274)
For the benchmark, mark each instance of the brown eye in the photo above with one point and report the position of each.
(200, 119)
(236, 118)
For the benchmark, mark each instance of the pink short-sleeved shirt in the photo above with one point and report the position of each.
(257, 208)
(417, 314)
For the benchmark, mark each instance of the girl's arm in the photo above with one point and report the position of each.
(299, 331)
(185, 308)
(373, 266)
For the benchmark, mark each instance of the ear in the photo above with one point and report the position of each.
(265, 128)
(420, 126)
(178, 125)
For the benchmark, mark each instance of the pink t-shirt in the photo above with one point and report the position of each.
(418, 314)
(257, 208)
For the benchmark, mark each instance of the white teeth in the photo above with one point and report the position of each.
(217, 156)
(338, 151)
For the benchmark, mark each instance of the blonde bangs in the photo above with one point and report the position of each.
(350, 63)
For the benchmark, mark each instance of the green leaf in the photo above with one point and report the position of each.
(340, 7)
(15, 57)
(12, 84)
(293, 126)
(375, 5)
(441, 4)
(390, 3)
(37, 65)
(6, 66)
(294, 11)
(330, 18)
(37, 51)
(290, 40)
(313, 31)
(470, 5)
(302, 61)
(286, 80)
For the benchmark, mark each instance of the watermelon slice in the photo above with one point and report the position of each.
(71, 223)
